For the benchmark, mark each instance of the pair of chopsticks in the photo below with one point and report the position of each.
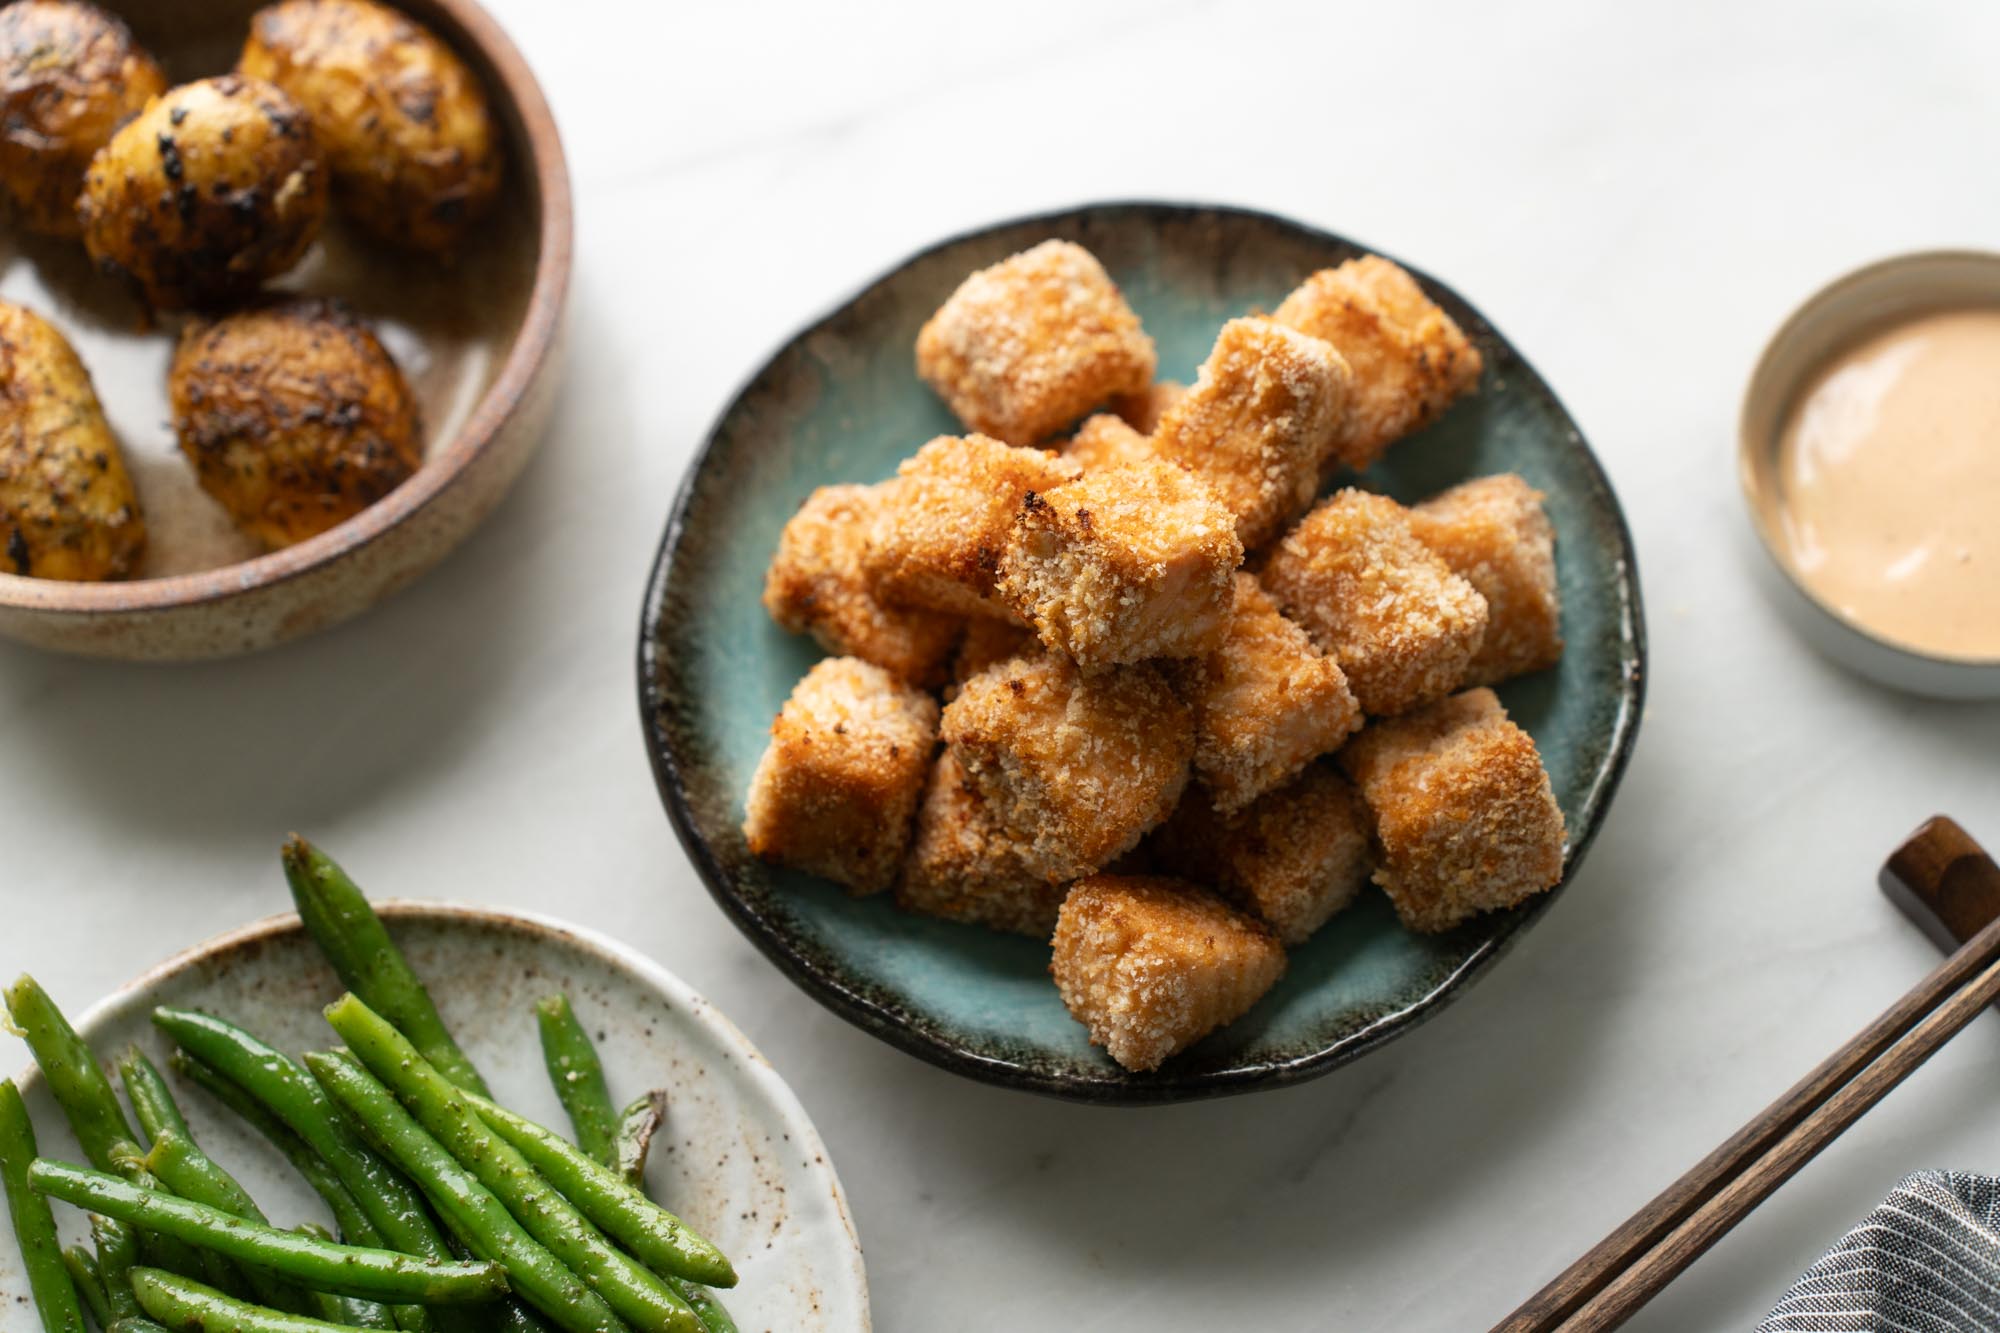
(1941, 871)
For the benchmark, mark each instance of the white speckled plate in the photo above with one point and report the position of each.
(738, 1158)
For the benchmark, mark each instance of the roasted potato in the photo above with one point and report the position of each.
(294, 416)
(214, 187)
(412, 143)
(67, 510)
(70, 75)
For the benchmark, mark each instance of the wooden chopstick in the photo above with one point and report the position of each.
(1603, 1288)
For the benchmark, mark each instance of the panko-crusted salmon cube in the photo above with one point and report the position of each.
(1463, 813)
(1494, 534)
(1105, 441)
(942, 523)
(835, 790)
(966, 865)
(1378, 601)
(1027, 346)
(1260, 420)
(816, 586)
(1266, 702)
(1082, 766)
(1153, 965)
(1410, 360)
(1142, 411)
(1123, 565)
(1292, 858)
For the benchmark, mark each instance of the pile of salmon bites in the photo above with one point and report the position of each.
(1185, 713)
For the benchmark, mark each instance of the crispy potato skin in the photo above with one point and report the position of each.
(294, 416)
(406, 127)
(67, 510)
(214, 187)
(70, 75)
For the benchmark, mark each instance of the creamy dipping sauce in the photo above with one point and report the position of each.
(1888, 490)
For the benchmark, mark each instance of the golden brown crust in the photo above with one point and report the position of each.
(1375, 599)
(1081, 766)
(67, 509)
(1293, 857)
(1027, 346)
(1263, 415)
(408, 134)
(1266, 702)
(966, 865)
(70, 75)
(1142, 411)
(1123, 565)
(987, 642)
(835, 790)
(816, 585)
(1410, 360)
(1152, 965)
(1105, 441)
(1494, 534)
(1463, 812)
(945, 519)
(294, 416)
(214, 187)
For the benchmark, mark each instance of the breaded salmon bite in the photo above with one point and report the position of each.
(1027, 346)
(1123, 565)
(1410, 360)
(1292, 858)
(1153, 965)
(1260, 420)
(1105, 441)
(1378, 601)
(942, 523)
(1266, 702)
(1142, 411)
(837, 786)
(816, 585)
(1462, 810)
(1495, 535)
(966, 865)
(1081, 765)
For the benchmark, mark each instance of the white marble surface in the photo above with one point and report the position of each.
(1636, 193)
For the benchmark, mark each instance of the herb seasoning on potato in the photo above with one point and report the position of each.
(70, 75)
(214, 187)
(406, 127)
(67, 510)
(294, 416)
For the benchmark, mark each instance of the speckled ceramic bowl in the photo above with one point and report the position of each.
(737, 1158)
(841, 402)
(479, 341)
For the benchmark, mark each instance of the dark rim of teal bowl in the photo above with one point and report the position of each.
(866, 1011)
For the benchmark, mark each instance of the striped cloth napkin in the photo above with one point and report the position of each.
(1927, 1260)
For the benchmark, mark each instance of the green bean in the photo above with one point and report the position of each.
(185, 1169)
(571, 1058)
(117, 1255)
(278, 1082)
(89, 1104)
(353, 1224)
(55, 1293)
(348, 1269)
(468, 1207)
(151, 1099)
(637, 1124)
(658, 1238)
(713, 1315)
(351, 1311)
(137, 1323)
(179, 1302)
(355, 941)
(637, 1295)
(88, 1283)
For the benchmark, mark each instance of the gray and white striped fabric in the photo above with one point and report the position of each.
(1926, 1261)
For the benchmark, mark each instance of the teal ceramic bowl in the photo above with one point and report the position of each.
(840, 402)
